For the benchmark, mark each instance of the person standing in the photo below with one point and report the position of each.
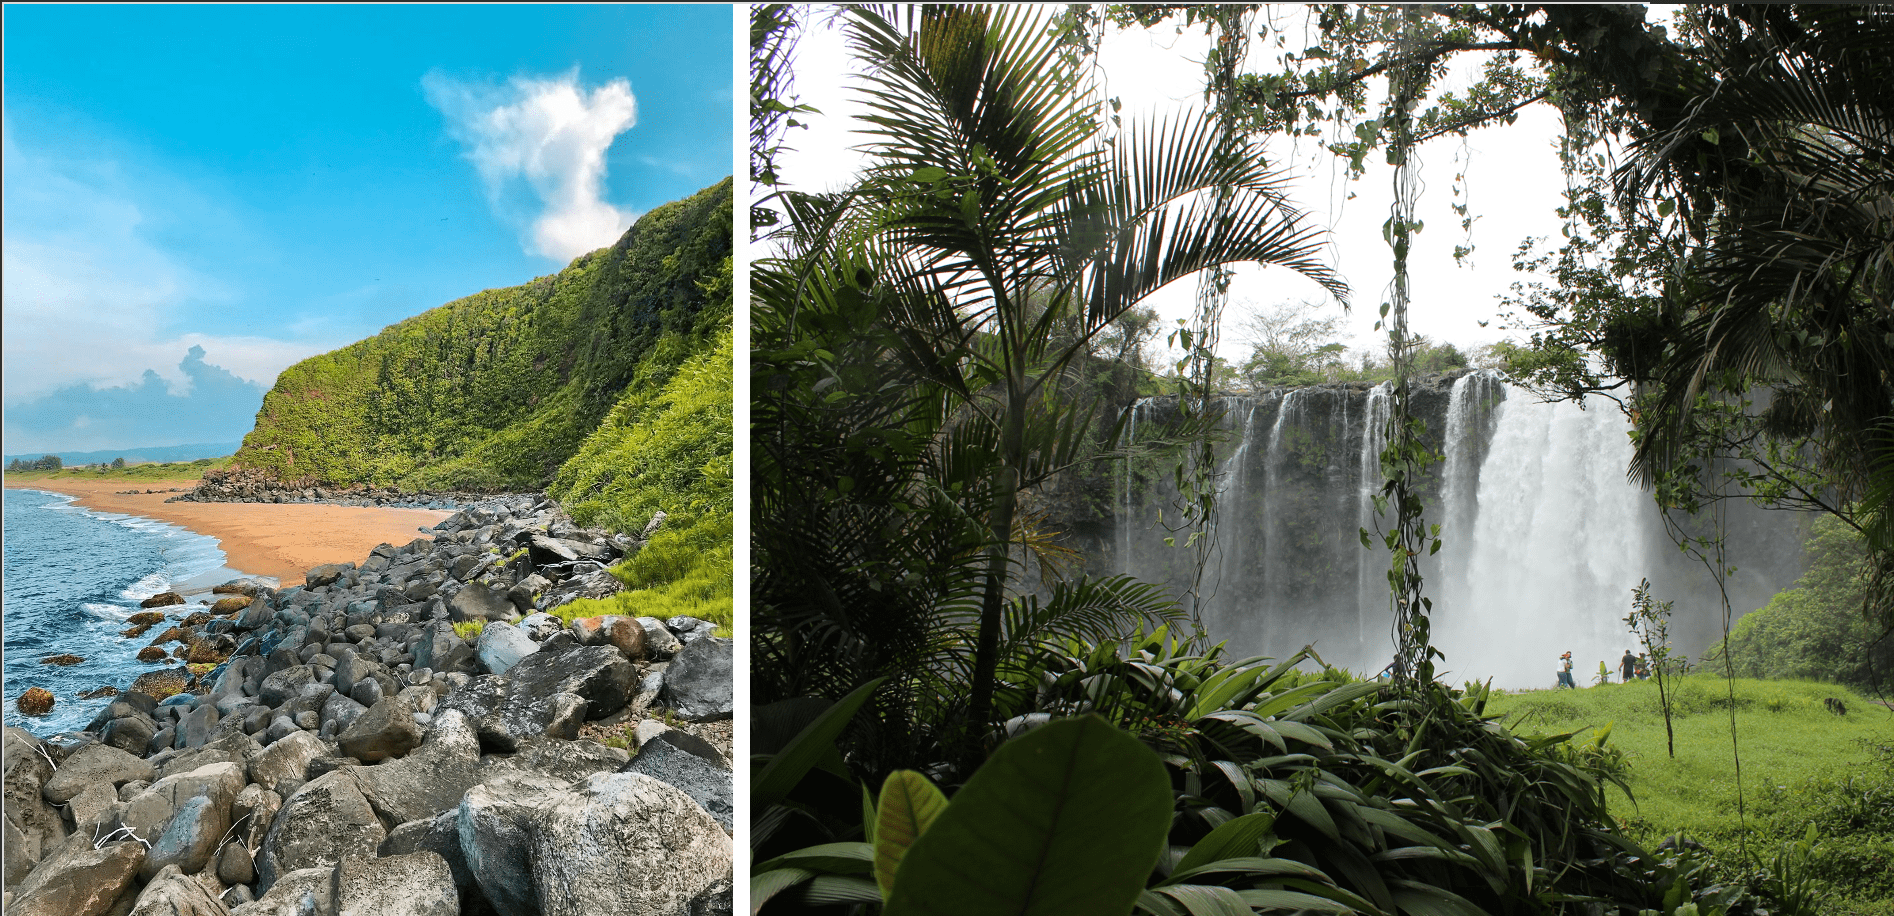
(1565, 671)
(1628, 666)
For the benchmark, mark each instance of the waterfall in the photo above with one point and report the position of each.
(1543, 536)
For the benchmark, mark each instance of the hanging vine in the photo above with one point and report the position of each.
(1405, 456)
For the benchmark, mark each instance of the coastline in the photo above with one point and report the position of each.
(280, 542)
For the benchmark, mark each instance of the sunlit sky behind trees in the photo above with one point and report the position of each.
(1513, 185)
(199, 196)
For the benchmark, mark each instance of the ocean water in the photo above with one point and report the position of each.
(71, 578)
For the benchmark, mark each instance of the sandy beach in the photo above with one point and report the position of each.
(280, 541)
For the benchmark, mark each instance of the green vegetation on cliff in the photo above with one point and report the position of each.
(608, 385)
(498, 390)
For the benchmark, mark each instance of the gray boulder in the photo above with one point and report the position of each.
(440, 835)
(92, 807)
(284, 685)
(285, 759)
(562, 761)
(659, 643)
(76, 880)
(171, 893)
(304, 892)
(131, 733)
(228, 747)
(189, 837)
(494, 822)
(386, 730)
(549, 693)
(418, 884)
(429, 780)
(539, 626)
(235, 865)
(698, 685)
(663, 850)
(326, 574)
(251, 814)
(707, 784)
(501, 646)
(32, 825)
(325, 820)
(148, 813)
(479, 601)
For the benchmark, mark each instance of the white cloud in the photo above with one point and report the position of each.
(553, 133)
(89, 299)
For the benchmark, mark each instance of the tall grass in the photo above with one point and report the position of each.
(1802, 764)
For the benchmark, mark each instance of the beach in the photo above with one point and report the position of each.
(279, 541)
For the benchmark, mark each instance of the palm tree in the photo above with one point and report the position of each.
(1781, 167)
(995, 235)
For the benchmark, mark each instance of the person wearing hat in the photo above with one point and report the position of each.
(1565, 671)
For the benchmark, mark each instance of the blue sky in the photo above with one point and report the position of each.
(266, 183)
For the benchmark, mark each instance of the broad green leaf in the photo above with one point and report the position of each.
(1207, 900)
(1233, 839)
(1069, 818)
(1254, 865)
(784, 770)
(767, 884)
(1289, 900)
(827, 889)
(909, 805)
(1427, 900)
(827, 858)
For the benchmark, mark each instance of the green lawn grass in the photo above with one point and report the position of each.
(1801, 764)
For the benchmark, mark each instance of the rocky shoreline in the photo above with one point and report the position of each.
(350, 746)
(244, 485)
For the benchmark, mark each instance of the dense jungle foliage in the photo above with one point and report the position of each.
(934, 735)
(497, 391)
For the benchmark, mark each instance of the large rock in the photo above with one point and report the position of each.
(229, 747)
(440, 835)
(287, 684)
(698, 684)
(429, 780)
(304, 892)
(76, 880)
(494, 824)
(286, 759)
(418, 884)
(189, 837)
(148, 814)
(93, 763)
(32, 826)
(641, 847)
(385, 731)
(252, 813)
(440, 649)
(92, 807)
(131, 734)
(563, 761)
(326, 574)
(707, 784)
(501, 646)
(325, 820)
(549, 693)
(660, 644)
(172, 893)
(479, 601)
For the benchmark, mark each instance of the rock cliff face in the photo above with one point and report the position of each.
(497, 390)
(352, 751)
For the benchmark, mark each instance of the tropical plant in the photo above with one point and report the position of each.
(1288, 790)
(994, 237)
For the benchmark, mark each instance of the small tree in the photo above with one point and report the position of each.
(118, 463)
(1649, 620)
(48, 463)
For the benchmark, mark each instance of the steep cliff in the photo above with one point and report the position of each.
(497, 391)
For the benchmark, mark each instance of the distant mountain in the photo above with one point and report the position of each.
(159, 453)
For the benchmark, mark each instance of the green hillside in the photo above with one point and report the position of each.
(500, 389)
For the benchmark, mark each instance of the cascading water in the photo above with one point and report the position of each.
(1544, 537)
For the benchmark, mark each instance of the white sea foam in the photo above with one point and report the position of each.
(117, 612)
(146, 587)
